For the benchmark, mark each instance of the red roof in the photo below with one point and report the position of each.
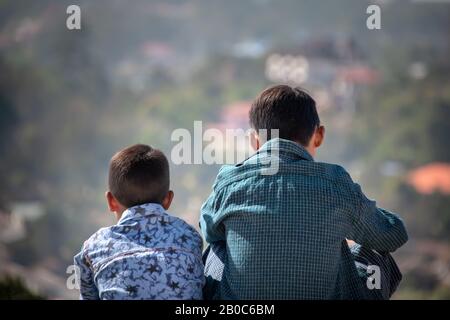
(431, 178)
(156, 49)
(233, 116)
(236, 111)
(359, 74)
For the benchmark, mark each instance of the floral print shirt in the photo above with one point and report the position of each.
(148, 254)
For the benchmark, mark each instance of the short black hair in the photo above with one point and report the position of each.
(139, 174)
(290, 110)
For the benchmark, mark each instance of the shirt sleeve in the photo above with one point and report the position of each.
(88, 289)
(210, 220)
(376, 228)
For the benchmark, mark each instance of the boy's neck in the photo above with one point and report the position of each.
(118, 215)
(309, 148)
(311, 151)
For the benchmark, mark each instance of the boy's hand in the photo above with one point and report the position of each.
(350, 243)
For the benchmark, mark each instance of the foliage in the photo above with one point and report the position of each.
(13, 288)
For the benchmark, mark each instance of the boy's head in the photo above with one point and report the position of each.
(290, 110)
(138, 174)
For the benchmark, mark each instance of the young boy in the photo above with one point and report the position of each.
(284, 235)
(148, 254)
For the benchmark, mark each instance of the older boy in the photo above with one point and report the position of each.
(148, 254)
(283, 236)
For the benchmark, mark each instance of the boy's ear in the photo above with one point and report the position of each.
(319, 136)
(254, 140)
(113, 204)
(168, 200)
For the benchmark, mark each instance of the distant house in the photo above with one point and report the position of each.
(433, 177)
(358, 74)
(233, 124)
(12, 224)
(249, 49)
(333, 68)
(152, 61)
(235, 115)
(157, 50)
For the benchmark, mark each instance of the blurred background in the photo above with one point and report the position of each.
(137, 70)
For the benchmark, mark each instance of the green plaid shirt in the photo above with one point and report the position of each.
(286, 233)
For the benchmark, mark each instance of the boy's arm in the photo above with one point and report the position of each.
(376, 228)
(210, 225)
(88, 290)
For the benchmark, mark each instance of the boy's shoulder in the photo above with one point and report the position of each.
(182, 232)
(322, 170)
(183, 227)
(102, 235)
(335, 172)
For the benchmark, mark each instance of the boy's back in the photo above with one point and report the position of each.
(285, 233)
(148, 254)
